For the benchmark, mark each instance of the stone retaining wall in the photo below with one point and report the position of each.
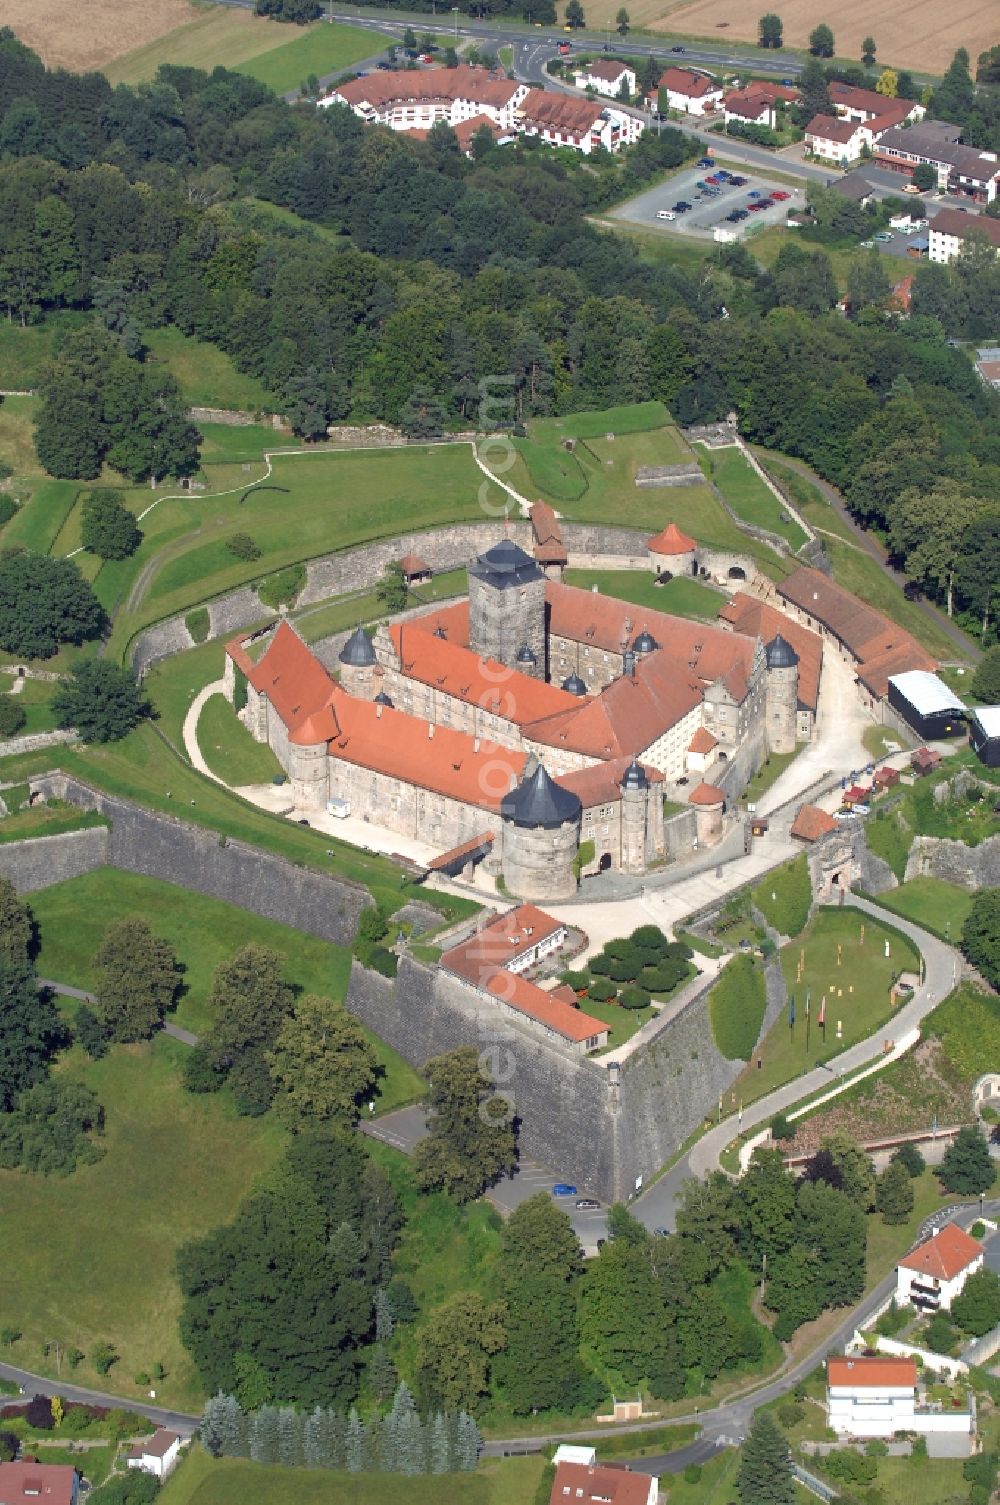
(41, 861)
(35, 741)
(158, 846)
(573, 1116)
(954, 862)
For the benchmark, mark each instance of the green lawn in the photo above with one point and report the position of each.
(680, 596)
(622, 1023)
(784, 896)
(320, 50)
(90, 1257)
(856, 991)
(749, 498)
(809, 500)
(206, 374)
(939, 907)
(231, 1481)
(228, 748)
(35, 701)
(24, 351)
(71, 917)
(46, 820)
(769, 772)
(37, 523)
(860, 573)
(881, 741)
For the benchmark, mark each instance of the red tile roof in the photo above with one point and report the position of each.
(702, 741)
(502, 941)
(292, 678)
(559, 112)
(811, 823)
(871, 1372)
(467, 849)
(627, 717)
(465, 130)
(670, 541)
(878, 644)
(156, 1446)
(412, 564)
(757, 96)
(684, 81)
(597, 1484)
(456, 670)
(755, 619)
(518, 993)
(411, 86)
(601, 784)
(830, 128)
(605, 69)
(848, 98)
(944, 1256)
(549, 546)
(707, 795)
(51, 1483)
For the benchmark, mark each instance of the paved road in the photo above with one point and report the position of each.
(63, 989)
(36, 1384)
(656, 1207)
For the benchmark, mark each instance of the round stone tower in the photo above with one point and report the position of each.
(541, 837)
(507, 609)
(635, 792)
(357, 665)
(782, 698)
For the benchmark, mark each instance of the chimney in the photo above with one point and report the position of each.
(594, 589)
(378, 712)
(475, 744)
(430, 731)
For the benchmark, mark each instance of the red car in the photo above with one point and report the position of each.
(780, 195)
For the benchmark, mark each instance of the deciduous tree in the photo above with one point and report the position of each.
(108, 528)
(769, 30)
(16, 925)
(102, 700)
(455, 1352)
(821, 42)
(894, 1193)
(45, 601)
(471, 1141)
(30, 1030)
(967, 1166)
(977, 1308)
(137, 980)
(322, 1063)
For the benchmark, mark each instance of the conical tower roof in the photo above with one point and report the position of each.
(506, 564)
(358, 651)
(780, 653)
(539, 801)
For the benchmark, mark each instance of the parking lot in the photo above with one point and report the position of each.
(711, 204)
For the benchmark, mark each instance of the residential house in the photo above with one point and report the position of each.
(856, 187)
(605, 77)
(157, 1455)
(602, 1484)
(694, 93)
(871, 1395)
(583, 124)
(850, 103)
(950, 230)
(39, 1484)
(836, 140)
(936, 1271)
(758, 103)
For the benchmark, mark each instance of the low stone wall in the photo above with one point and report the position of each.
(35, 741)
(235, 418)
(43, 860)
(158, 846)
(679, 832)
(573, 1117)
(954, 862)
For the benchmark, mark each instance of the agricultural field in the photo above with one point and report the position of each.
(854, 976)
(280, 56)
(231, 1481)
(89, 33)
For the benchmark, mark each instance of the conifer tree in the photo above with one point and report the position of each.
(894, 1193)
(264, 1435)
(354, 1446)
(765, 1474)
(440, 1448)
(468, 1442)
(290, 1443)
(313, 1428)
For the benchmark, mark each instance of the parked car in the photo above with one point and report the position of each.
(885, 236)
(586, 1204)
(713, 179)
(755, 193)
(563, 1189)
(666, 214)
(734, 217)
(741, 213)
(681, 207)
(780, 194)
(705, 162)
(765, 203)
(736, 180)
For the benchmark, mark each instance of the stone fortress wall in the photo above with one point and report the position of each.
(159, 846)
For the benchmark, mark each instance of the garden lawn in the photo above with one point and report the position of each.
(202, 1480)
(769, 772)
(35, 701)
(680, 596)
(881, 742)
(864, 969)
(206, 375)
(939, 907)
(17, 437)
(622, 1023)
(749, 498)
(71, 918)
(229, 749)
(90, 1257)
(47, 820)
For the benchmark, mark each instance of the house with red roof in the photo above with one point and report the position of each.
(606, 76)
(602, 1484)
(935, 1272)
(871, 1395)
(689, 90)
(39, 1484)
(758, 104)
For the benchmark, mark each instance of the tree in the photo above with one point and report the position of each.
(821, 43)
(868, 283)
(622, 22)
(539, 1239)
(48, 1133)
(967, 1166)
(981, 934)
(926, 528)
(471, 1141)
(108, 528)
(977, 588)
(137, 980)
(102, 1356)
(307, 405)
(12, 718)
(910, 1157)
(868, 54)
(574, 14)
(621, 1311)
(392, 592)
(454, 1353)
(16, 926)
(765, 1472)
(988, 66)
(101, 700)
(977, 1308)
(925, 177)
(322, 1063)
(409, 40)
(770, 30)
(842, 1164)
(249, 1000)
(894, 1193)
(986, 680)
(955, 95)
(422, 415)
(45, 601)
(30, 1031)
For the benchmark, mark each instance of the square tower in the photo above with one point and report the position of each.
(507, 609)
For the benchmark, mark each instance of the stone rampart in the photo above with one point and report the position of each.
(573, 1117)
(41, 861)
(954, 862)
(35, 741)
(158, 846)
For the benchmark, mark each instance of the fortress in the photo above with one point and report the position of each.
(535, 727)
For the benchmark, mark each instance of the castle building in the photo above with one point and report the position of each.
(535, 725)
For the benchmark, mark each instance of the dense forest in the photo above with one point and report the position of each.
(408, 274)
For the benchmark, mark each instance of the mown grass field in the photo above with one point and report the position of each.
(939, 907)
(680, 597)
(280, 56)
(206, 374)
(231, 1481)
(749, 498)
(856, 992)
(90, 1257)
(228, 748)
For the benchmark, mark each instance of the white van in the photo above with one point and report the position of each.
(665, 214)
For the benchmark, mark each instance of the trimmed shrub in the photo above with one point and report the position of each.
(7, 509)
(634, 998)
(12, 717)
(242, 546)
(790, 1413)
(620, 950)
(736, 1008)
(197, 623)
(600, 965)
(601, 990)
(781, 1127)
(578, 981)
(625, 969)
(649, 937)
